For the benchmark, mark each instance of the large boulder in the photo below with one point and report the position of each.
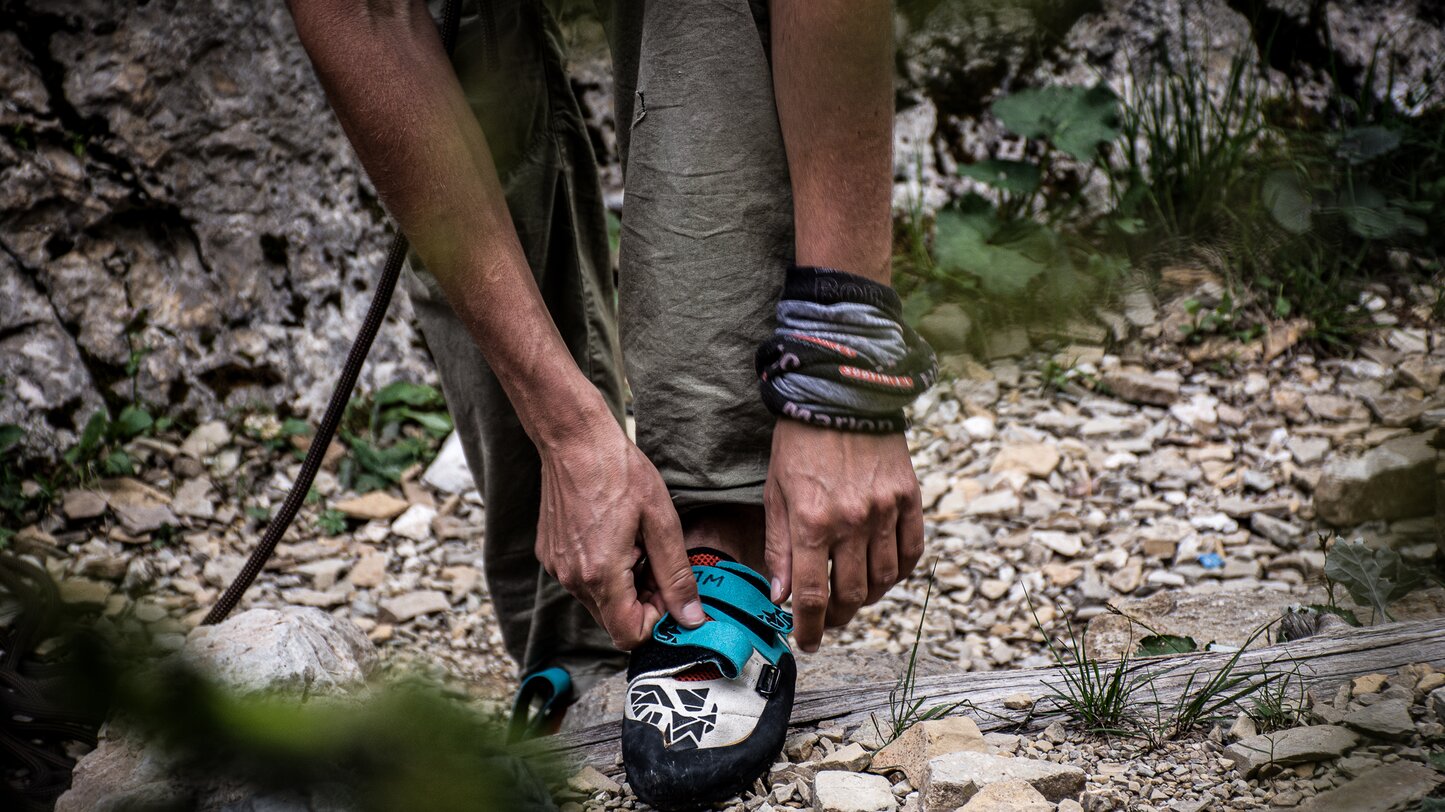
(1394, 480)
(297, 648)
(299, 651)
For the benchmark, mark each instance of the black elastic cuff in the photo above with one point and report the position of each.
(826, 286)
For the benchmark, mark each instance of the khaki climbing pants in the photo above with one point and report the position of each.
(706, 235)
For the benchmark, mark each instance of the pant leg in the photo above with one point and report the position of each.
(707, 234)
(510, 62)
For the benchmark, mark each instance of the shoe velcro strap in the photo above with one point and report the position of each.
(744, 620)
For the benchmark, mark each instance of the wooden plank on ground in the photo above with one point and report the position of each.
(1322, 661)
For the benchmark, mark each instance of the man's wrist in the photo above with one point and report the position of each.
(574, 414)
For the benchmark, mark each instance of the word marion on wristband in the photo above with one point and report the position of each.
(841, 356)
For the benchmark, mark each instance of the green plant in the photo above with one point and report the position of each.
(332, 522)
(1187, 149)
(1224, 319)
(1206, 695)
(1373, 578)
(1279, 705)
(99, 451)
(12, 495)
(401, 426)
(904, 709)
(1013, 257)
(1097, 696)
(1157, 645)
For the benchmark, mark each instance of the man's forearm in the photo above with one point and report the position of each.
(389, 81)
(833, 79)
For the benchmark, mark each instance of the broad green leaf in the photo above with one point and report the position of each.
(89, 441)
(386, 464)
(439, 423)
(132, 421)
(1361, 144)
(1074, 119)
(410, 394)
(1373, 217)
(1158, 644)
(10, 436)
(1287, 201)
(295, 427)
(1001, 271)
(117, 463)
(1018, 177)
(1374, 578)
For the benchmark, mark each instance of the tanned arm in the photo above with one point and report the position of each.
(831, 495)
(388, 79)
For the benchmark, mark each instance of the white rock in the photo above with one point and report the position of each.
(980, 428)
(449, 472)
(1000, 503)
(415, 523)
(1034, 459)
(193, 499)
(1067, 545)
(839, 791)
(207, 439)
(953, 779)
(927, 740)
(289, 649)
(1014, 795)
(414, 604)
(1199, 413)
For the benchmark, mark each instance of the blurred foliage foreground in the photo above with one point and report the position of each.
(1297, 205)
(400, 746)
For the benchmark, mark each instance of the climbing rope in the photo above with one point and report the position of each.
(340, 396)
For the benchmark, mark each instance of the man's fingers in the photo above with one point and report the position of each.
(850, 579)
(809, 579)
(883, 570)
(778, 546)
(667, 556)
(910, 535)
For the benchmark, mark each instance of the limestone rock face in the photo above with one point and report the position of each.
(181, 191)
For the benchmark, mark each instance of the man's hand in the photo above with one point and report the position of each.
(603, 507)
(845, 497)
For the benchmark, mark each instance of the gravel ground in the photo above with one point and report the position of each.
(1061, 474)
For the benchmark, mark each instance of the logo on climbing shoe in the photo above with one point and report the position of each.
(779, 619)
(666, 632)
(684, 715)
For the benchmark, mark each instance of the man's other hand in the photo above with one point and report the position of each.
(846, 497)
(603, 506)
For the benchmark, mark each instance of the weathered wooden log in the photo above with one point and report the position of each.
(1315, 662)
